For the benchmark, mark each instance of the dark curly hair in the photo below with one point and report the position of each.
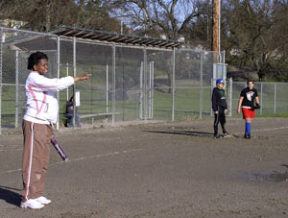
(34, 59)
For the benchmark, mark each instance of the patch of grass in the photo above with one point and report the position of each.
(187, 103)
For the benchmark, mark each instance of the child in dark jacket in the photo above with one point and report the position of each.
(219, 107)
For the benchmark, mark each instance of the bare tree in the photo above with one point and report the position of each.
(155, 17)
(45, 15)
(252, 28)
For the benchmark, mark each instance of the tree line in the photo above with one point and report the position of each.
(254, 33)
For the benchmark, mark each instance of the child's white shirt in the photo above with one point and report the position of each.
(41, 96)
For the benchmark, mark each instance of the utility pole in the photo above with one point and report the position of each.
(216, 26)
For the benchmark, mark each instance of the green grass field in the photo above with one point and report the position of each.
(187, 104)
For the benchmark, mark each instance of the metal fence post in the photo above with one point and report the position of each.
(145, 83)
(149, 89)
(211, 91)
(173, 83)
(58, 76)
(67, 74)
(152, 90)
(107, 88)
(201, 87)
(113, 83)
(74, 74)
(230, 96)
(261, 95)
(275, 98)
(141, 92)
(224, 57)
(1, 72)
(16, 88)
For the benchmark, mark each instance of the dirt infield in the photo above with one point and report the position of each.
(158, 170)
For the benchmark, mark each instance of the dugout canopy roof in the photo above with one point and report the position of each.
(116, 38)
(27, 40)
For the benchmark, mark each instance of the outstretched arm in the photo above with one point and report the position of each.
(82, 77)
(42, 83)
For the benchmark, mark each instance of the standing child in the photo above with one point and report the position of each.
(41, 113)
(219, 107)
(247, 101)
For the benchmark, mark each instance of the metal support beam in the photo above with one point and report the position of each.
(58, 76)
(74, 74)
(152, 89)
(275, 99)
(107, 88)
(261, 96)
(67, 74)
(113, 83)
(16, 88)
(145, 83)
(230, 97)
(201, 87)
(173, 83)
(141, 92)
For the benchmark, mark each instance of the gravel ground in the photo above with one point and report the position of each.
(158, 170)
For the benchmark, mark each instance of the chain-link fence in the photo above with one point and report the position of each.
(273, 97)
(13, 70)
(193, 75)
(128, 82)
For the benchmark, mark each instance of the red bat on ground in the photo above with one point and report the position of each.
(59, 149)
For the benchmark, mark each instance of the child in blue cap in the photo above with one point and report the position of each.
(219, 107)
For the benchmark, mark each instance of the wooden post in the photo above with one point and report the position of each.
(216, 26)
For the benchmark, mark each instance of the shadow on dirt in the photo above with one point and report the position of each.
(10, 196)
(182, 132)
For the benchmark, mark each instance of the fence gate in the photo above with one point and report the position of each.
(146, 100)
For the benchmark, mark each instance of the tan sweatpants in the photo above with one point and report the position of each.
(36, 153)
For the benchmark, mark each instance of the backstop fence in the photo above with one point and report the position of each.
(128, 82)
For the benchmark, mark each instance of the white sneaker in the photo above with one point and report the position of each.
(43, 200)
(31, 204)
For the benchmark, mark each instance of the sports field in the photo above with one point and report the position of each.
(158, 170)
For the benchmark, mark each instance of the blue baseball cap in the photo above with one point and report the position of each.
(219, 81)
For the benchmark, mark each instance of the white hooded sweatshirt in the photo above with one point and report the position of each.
(41, 95)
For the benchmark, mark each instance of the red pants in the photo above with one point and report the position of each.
(248, 113)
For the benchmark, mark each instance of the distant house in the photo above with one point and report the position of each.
(15, 24)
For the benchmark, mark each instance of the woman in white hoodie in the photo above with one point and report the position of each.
(41, 113)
